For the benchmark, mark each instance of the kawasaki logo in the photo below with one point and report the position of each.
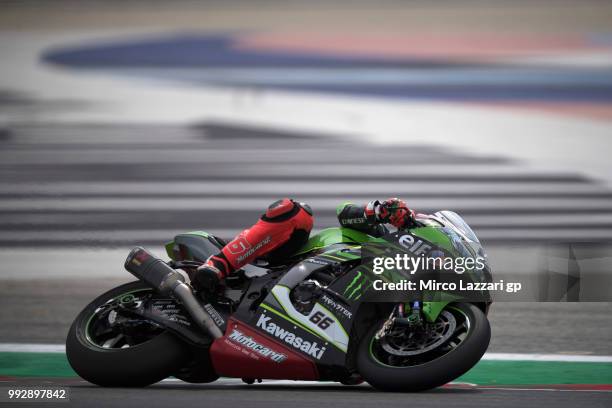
(238, 337)
(310, 348)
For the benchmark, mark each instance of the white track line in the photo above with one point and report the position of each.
(547, 357)
(31, 348)
(60, 348)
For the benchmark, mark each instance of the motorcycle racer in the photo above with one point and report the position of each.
(286, 226)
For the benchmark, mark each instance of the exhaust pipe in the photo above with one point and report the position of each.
(156, 273)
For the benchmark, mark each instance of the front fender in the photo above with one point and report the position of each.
(431, 310)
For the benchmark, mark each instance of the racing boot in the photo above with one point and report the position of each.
(207, 278)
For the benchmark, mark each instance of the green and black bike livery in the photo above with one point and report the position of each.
(312, 318)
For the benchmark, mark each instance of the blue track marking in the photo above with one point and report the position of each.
(214, 60)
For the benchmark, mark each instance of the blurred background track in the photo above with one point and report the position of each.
(125, 122)
(124, 185)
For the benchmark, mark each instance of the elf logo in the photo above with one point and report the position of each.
(311, 348)
(417, 247)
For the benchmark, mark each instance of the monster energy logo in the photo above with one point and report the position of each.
(357, 287)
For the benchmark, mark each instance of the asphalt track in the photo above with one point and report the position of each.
(234, 393)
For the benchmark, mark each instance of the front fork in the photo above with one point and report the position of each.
(413, 318)
(407, 315)
(412, 314)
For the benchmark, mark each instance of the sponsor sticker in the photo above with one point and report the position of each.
(256, 247)
(248, 342)
(336, 306)
(312, 348)
(219, 321)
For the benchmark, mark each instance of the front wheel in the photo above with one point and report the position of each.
(407, 360)
(109, 346)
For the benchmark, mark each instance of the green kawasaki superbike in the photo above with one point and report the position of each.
(317, 317)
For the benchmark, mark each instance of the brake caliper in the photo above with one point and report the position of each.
(399, 318)
(414, 318)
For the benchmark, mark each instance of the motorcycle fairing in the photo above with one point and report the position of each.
(335, 235)
(333, 333)
(193, 245)
(278, 311)
(268, 298)
(269, 357)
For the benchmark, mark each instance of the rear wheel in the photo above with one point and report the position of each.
(413, 360)
(109, 346)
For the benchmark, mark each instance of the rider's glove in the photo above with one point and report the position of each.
(391, 211)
